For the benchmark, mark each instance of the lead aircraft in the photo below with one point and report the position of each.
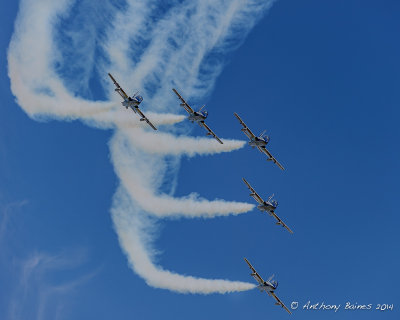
(131, 102)
(268, 286)
(266, 206)
(260, 142)
(198, 116)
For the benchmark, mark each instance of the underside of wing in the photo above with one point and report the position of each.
(254, 273)
(245, 129)
(258, 278)
(280, 222)
(270, 157)
(279, 302)
(119, 89)
(184, 103)
(253, 193)
(210, 132)
(144, 118)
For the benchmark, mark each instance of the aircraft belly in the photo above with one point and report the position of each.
(196, 118)
(264, 207)
(131, 104)
(257, 143)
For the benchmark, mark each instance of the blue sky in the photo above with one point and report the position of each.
(321, 78)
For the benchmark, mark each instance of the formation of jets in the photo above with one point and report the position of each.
(258, 142)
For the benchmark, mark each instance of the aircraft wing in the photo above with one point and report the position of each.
(210, 132)
(144, 118)
(245, 129)
(184, 103)
(281, 222)
(254, 273)
(253, 193)
(279, 302)
(270, 157)
(119, 89)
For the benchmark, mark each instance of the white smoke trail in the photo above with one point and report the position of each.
(130, 172)
(181, 45)
(132, 233)
(126, 119)
(166, 143)
(31, 54)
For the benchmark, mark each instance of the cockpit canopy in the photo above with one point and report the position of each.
(274, 203)
(138, 98)
(274, 283)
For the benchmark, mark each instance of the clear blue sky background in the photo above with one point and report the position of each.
(323, 78)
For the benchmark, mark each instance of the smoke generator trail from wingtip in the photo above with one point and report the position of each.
(49, 71)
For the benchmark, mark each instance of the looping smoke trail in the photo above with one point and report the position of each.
(59, 47)
(131, 226)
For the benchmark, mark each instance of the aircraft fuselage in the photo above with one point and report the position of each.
(130, 104)
(258, 142)
(197, 116)
(266, 287)
(266, 207)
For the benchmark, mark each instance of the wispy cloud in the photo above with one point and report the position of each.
(6, 216)
(37, 295)
(147, 45)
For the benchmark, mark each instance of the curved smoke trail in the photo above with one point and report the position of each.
(59, 46)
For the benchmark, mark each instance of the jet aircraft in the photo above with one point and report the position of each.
(198, 116)
(131, 102)
(266, 206)
(268, 286)
(260, 142)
